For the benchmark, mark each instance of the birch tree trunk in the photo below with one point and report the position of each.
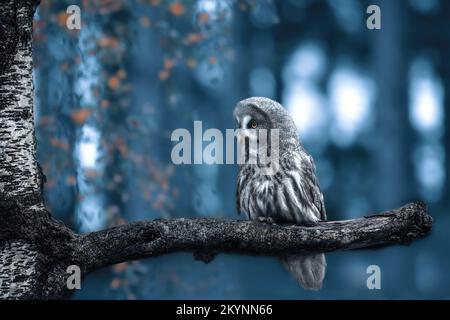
(20, 180)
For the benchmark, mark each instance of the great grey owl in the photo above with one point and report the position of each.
(291, 194)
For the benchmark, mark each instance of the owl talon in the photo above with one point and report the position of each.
(309, 224)
(268, 220)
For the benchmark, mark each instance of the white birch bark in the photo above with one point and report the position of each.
(19, 174)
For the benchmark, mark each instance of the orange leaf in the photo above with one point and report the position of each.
(212, 60)
(64, 66)
(114, 82)
(169, 63)
(108, 42)
(145, 22)
(176, 8)
(91, 173)
(164, 75)
(80, 116)
(70, 180)
(46, 120)
(121, 74)
(104, 103)
(122, 146)
(193, 38)
(191, 63)
(203, 18)
(119, 267)
(61, 19)
(55, 142)
(115, 283)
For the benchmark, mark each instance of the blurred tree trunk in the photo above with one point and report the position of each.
(114, 119)
(62, 198)
(392, 132)
(440, 32)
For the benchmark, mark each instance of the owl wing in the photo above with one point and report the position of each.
(244, 176)
(238, 198)
(312, 187)
(301, 166)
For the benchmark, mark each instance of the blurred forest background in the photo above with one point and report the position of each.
(370, 106)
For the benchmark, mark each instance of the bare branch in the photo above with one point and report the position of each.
(210, 236)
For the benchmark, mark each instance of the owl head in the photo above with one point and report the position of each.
(256, 113)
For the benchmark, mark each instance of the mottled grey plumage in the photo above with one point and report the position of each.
(292, 195)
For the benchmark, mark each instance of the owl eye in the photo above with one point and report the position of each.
(253, 124)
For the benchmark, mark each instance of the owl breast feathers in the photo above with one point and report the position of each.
(291, 195)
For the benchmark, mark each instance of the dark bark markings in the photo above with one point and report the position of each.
(19, 174)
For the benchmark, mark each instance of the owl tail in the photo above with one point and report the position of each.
(308, 270)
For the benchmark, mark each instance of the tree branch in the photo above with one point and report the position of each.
(210, 236)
